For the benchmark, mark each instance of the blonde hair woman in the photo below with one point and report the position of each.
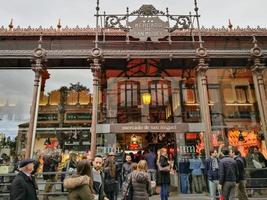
(142, 166)
(141, 182)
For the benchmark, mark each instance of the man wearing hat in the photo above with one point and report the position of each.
(112, 155)
(23, 186)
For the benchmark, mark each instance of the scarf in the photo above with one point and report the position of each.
(214, 164)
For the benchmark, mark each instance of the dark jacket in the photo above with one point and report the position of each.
(228, 170)
(126, 169)
(164, 169)
(241, 165)
(78, 187)
(50, 165)
(110, 184)
(213, 174)
(99, 187)
(141, 185)
(23, 188)
(184, 167)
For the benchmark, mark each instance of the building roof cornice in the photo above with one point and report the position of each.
(87, 31)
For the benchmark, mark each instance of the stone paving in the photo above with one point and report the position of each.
(173, 197)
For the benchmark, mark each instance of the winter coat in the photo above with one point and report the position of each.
(241, 165)
(126, 169)
(99, 187)
(23, 188)
(78, 187)
(164, 169)
(50, 165)
(141, 185)
(228, 170)
(213, 174)
(110, 184)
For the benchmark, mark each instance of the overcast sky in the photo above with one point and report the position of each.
(80, 12)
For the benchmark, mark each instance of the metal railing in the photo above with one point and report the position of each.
(256, 184)
(55, 189)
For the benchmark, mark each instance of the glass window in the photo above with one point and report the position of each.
(129, 97)
(84, 97)
(72, 98)
(160, 93)
(65, 109)
(190, 104)
(235, 105)
(16, 90)
(265, 82)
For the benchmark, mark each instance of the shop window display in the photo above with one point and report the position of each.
(234, 112)
(245, 140)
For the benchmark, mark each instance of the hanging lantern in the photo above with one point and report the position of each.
(146, 98)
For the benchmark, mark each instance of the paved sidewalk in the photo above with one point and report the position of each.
(173, 197)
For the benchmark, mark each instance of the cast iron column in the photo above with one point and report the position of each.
(38, 66)
(257, 72)
(96, 69)
(202, 68)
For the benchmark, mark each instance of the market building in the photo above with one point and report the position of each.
(159, 80)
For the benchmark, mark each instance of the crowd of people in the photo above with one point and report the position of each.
(140, 176)
(97, 179)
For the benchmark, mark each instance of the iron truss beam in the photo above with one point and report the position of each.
(77, 58)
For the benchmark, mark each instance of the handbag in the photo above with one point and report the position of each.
(257, 164)
(221, 197)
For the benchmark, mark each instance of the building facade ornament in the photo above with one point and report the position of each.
(258, 69)
(95, 61)
(201, 69)
(39, 67)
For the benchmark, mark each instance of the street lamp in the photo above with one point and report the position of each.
(146, 98)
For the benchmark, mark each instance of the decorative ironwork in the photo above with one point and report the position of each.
(153, 28)
(148, 11)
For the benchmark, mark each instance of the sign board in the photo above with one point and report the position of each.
(149, 127)
(186, 149)
(148, 27)
(105, 150)
(78, 116)
(47, 117)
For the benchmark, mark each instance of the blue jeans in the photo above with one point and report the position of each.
(164, 191)
(184, 182)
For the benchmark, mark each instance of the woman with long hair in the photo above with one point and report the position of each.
(110, 186)
(140, 182)
(80, 185)
(164, 171)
